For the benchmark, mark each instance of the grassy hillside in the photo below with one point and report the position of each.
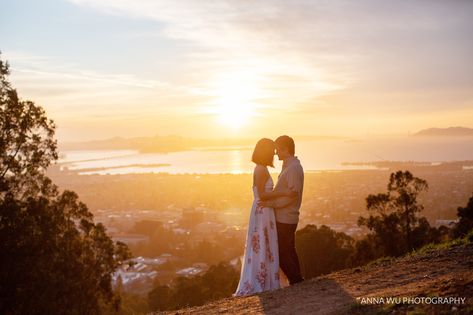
(445, 271)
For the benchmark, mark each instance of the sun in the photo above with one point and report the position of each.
(235, 113)
(236, 95)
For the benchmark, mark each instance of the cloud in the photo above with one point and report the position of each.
(307, 58)
(67, 90)
(322, 46)
(239, 36)
(49, 67)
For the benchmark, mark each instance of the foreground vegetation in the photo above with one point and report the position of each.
(54, 258)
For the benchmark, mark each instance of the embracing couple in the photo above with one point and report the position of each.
(270, 242)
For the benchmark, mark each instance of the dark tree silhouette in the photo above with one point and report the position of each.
(322, 250)
(366, 250)
(465, 224)
(54, 258)
(27, 146)
(159, 298)
(218, 282)
(395, 223)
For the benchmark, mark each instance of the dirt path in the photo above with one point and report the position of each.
(446, 272)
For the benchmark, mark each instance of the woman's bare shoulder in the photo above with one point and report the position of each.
(260, 170)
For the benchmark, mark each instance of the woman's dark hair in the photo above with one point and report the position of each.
(264, 152)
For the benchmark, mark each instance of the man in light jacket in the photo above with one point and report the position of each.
(287, 209)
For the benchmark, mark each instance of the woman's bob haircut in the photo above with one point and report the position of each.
(264, 152)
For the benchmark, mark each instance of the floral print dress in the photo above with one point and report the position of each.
(260, 265)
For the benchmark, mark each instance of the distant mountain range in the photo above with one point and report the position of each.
(165, 144)
(149, 144)
(451, 131)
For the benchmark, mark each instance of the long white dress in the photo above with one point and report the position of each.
(260, 264)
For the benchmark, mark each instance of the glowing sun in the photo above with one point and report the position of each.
(236, 94)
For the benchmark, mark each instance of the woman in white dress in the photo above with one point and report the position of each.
(260, 265)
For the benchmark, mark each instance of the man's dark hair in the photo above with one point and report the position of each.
(286, 142)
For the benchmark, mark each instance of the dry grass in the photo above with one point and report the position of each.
(437, 272)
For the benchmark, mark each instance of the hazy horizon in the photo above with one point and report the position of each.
(301, 137)
(315, 155)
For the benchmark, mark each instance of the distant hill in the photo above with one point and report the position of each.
(153, 144)
(451, 131)
(446, 272)
(164, 144)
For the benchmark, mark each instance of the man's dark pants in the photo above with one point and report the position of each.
(288, 260)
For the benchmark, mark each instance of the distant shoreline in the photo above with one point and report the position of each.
(96, 169)
(466, 165)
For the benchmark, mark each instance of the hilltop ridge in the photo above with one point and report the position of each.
(446, 272)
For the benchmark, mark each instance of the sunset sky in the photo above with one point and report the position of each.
(242, 68)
